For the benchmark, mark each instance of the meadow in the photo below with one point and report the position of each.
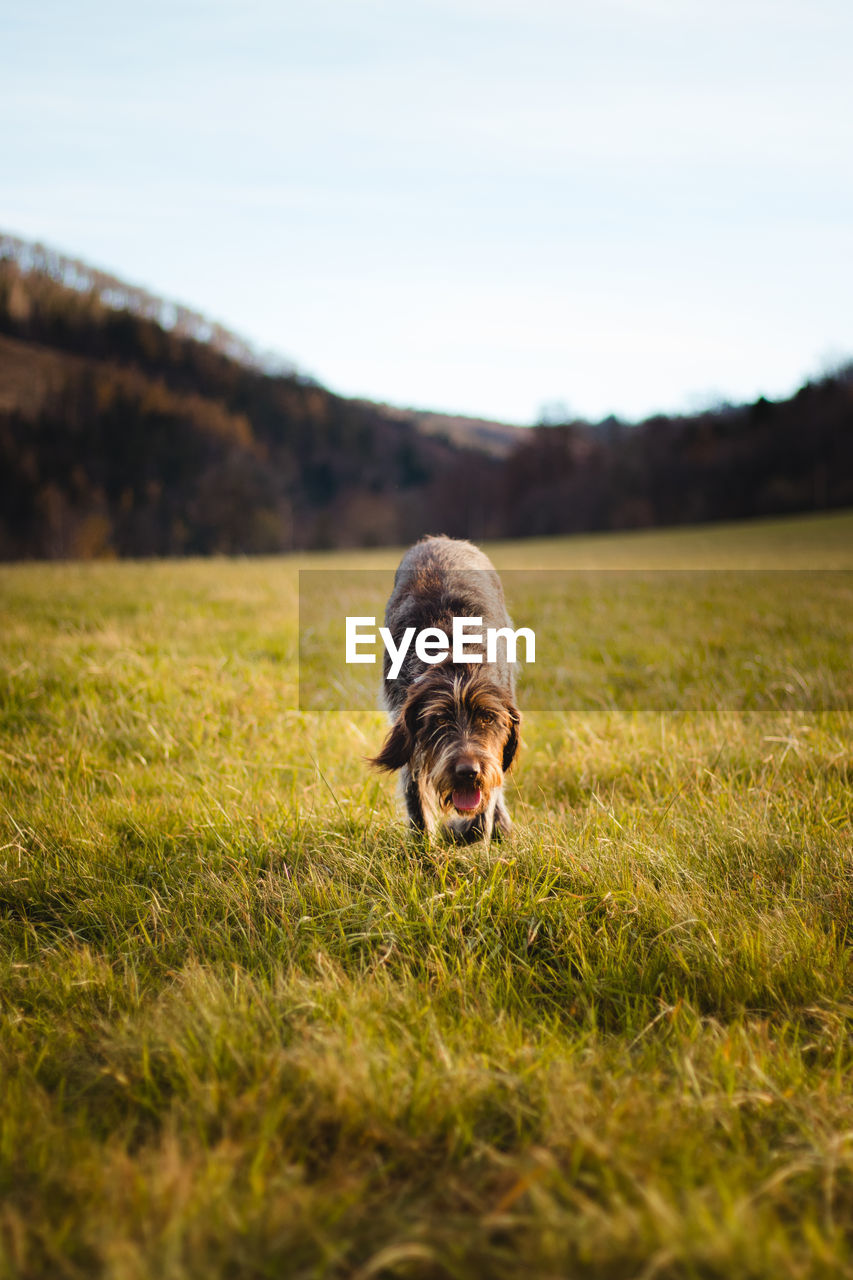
(251, 1028)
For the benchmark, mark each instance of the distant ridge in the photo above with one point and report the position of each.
(498, 439)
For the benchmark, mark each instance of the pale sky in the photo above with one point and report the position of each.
(479, 206)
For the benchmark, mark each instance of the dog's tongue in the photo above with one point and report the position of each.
(465, 800)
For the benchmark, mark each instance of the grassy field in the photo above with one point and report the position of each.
(250, 1028)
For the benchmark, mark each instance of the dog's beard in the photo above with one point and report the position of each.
(464, 799)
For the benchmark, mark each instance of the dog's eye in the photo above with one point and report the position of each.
(484, 717)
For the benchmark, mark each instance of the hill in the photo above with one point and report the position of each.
(119, 435)
(131, 427)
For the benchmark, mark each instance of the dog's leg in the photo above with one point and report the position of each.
(466, 830)
(411, 793)
(502, 822)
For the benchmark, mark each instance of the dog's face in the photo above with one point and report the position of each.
(458, 729)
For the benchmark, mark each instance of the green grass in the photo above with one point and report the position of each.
(250, 1028)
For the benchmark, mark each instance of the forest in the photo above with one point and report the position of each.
(129, 432)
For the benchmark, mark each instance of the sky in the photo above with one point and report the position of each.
(490, 207)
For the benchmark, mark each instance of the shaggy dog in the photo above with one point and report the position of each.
(454, 731)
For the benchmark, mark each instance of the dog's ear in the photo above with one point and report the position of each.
(511, 744)
(397, 747)
(400, 743)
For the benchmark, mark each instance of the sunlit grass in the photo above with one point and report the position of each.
(249, 1028)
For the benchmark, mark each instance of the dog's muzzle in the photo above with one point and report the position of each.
(466, 794)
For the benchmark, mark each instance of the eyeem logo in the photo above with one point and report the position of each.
(432, 645)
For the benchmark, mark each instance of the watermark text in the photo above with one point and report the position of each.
(432, 645)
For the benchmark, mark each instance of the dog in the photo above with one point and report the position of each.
(455, 725)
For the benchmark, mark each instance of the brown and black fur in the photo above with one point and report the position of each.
(454, 725)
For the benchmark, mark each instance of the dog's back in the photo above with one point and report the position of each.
(440, 579)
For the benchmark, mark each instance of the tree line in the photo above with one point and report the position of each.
(122, 436)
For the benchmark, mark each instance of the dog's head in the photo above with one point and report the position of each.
(459, 728)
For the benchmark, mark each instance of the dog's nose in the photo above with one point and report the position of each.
(467, 770)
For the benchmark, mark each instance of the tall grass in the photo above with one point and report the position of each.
(250, 1028)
